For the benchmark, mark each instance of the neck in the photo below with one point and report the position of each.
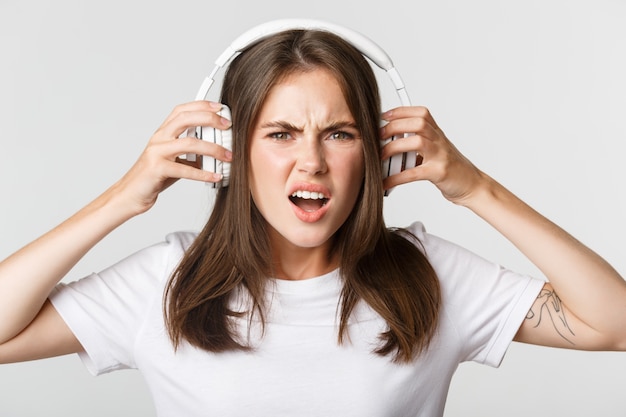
(290, 262)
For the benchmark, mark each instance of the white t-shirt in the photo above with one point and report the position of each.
(297, 368)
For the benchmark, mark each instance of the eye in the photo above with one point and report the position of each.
(341, 135)
(280, 136)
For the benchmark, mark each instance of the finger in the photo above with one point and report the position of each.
(190, 119)
(418, 173)
(198, 105)
(415, 125)
(409, 112)
(415, 143)
(190, 115)
(174, 148)
(176, 171)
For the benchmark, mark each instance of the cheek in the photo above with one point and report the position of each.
(268, 171)
(349, 175)
(358, 174)
(255, 177)
(352, 167)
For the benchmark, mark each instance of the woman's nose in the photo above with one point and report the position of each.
(311, 157)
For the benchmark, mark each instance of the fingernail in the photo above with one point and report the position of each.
(386, 115)
(228, 154)
(215, 105)
(225, 122)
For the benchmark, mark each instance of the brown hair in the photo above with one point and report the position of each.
(385, 269)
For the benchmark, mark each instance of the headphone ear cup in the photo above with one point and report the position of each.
(227, 142)
(399, 162)
(222, 138)
(392, 165)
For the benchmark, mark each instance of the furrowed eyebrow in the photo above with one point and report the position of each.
(282, 125)
(288, 127)
(340, 126)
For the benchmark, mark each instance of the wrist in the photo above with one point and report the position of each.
(112, 208)
(484, 191)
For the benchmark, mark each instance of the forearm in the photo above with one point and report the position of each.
(28, 276)
(589, 287)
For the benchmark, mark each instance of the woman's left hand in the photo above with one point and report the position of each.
(442, 164)
(586, 289)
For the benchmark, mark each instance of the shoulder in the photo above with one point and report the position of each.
(172, 247)
(439, 251)
(458, 267)
(180, 241)
(132, 281)
(484, 302)
(167, 254)
(145, 268)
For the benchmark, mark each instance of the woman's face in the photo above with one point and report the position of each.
(307, 163)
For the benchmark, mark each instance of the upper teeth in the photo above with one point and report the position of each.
(312, 195)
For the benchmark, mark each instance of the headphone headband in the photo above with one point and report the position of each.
(365, 45)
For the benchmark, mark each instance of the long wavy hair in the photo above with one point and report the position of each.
(382, 267)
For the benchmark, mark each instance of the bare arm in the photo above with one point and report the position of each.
(584, 304)
(28, 276)
(46, 336)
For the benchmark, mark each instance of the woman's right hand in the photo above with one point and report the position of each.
(28, 276)
(159, 165)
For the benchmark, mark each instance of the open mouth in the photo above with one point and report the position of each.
(308, 201)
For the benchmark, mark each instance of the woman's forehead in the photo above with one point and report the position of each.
(306, 97)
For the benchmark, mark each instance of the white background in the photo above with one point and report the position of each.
(532, 91)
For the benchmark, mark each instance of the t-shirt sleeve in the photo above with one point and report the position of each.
(485, 302)
(106, 310)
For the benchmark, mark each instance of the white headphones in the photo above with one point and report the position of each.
(366, 46)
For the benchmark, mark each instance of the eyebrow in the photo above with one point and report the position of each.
(289, 127)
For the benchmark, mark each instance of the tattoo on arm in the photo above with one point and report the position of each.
(548, 305)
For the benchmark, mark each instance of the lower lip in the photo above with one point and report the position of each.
(310, 216)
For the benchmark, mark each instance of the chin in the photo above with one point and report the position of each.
(307, 239)
(309, 243)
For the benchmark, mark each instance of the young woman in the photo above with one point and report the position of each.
(295, 298)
